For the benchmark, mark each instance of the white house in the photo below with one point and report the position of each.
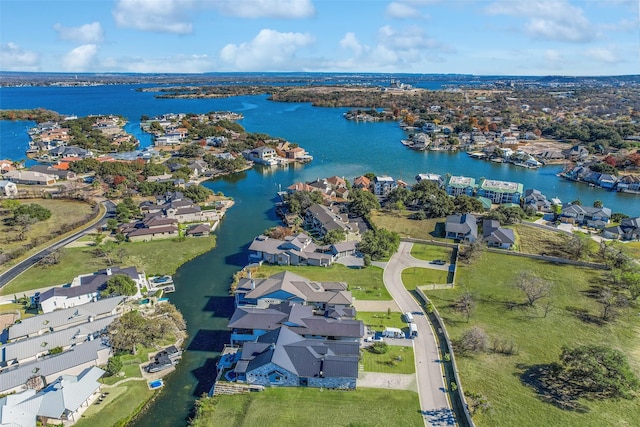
(86, 288)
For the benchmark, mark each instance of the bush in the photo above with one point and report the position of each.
(379, 348)
(114, 365)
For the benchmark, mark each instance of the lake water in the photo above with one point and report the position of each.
(339, 147)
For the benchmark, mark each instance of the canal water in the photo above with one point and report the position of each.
(339, 147)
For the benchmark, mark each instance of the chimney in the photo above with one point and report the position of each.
(253, 284)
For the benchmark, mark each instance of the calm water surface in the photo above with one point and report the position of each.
(339, 148)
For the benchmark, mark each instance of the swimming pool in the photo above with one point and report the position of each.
(155, 384)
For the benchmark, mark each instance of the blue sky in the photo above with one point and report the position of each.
(484, 37)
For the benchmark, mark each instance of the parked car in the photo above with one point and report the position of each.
(438, 262)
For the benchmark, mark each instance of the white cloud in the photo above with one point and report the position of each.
(270, 50)
(154, 15)
(13, 58)
(351, 42)
(266, 8)
(601, 54)
(171, 64)
(410, 38)
(87, 33)
(81, 58)
(402, 11)
(548, 19)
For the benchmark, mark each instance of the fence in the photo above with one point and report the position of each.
(458, 400)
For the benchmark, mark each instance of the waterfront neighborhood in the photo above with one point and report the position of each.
(410, 284)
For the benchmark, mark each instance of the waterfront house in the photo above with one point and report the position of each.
(607, 181)
(500, 191)
(461, 227)
(8, 189)
(58, 320)
(293, 250)
(263, 155)
(23, 351)
(56, 404)
(87, 288)
(70, 151)
(496, 236)
(320, 219)
(362, 183)
(46, 370)
(249, 323)
(630, 183)
(382, 185)
(458, 185)
(585, 215)
(52, 170)
(283, 358)
(535, 199)
(432, 177)
(150, 228)
(629, 229)
(288, 286)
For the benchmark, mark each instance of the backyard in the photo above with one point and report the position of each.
(426, 229)
(396, 360)
(314, 407)
(432, 252)
(569, 316)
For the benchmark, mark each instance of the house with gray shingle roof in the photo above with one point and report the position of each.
(585, 215)
(249, 323)
(461, 227)
(496, 236)
(63, 319)
(288, 286)
(62, 400)
(284, 358)
(86, 288)
(48, 369)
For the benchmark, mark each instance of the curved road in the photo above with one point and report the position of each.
(434, 400)
(19, 268)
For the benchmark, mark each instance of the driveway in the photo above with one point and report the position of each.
(434, 400)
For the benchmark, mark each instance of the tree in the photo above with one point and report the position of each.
(465, 305)
(333, 236)
(33, 210)
(362, 202)
(473, 340)
(598, 372)
(120, 284)
(126, 332)
(114, 365)
(597, 204)
(465, 204)
(611, 301)
(578, 246)
(112, 224)
(533, 287)
(379, 244)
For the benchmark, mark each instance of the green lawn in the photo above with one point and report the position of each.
(431, 252)
(312, 407)
(364, 284)
(119, 405)
(415, 276)
(157, 257)
(427, 229)
(379, 321)
(539, 340)
(398, 360)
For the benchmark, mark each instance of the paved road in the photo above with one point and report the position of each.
(19, 268)
(430, 376)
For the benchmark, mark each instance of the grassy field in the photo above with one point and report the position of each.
(364, 284)
(414, 276)
(312, 407)
(120, 403)
(63, 214)
(380, 321)
(538, 339)
(431, 252)
(398, 360)
(427, 229)
(155, 258)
